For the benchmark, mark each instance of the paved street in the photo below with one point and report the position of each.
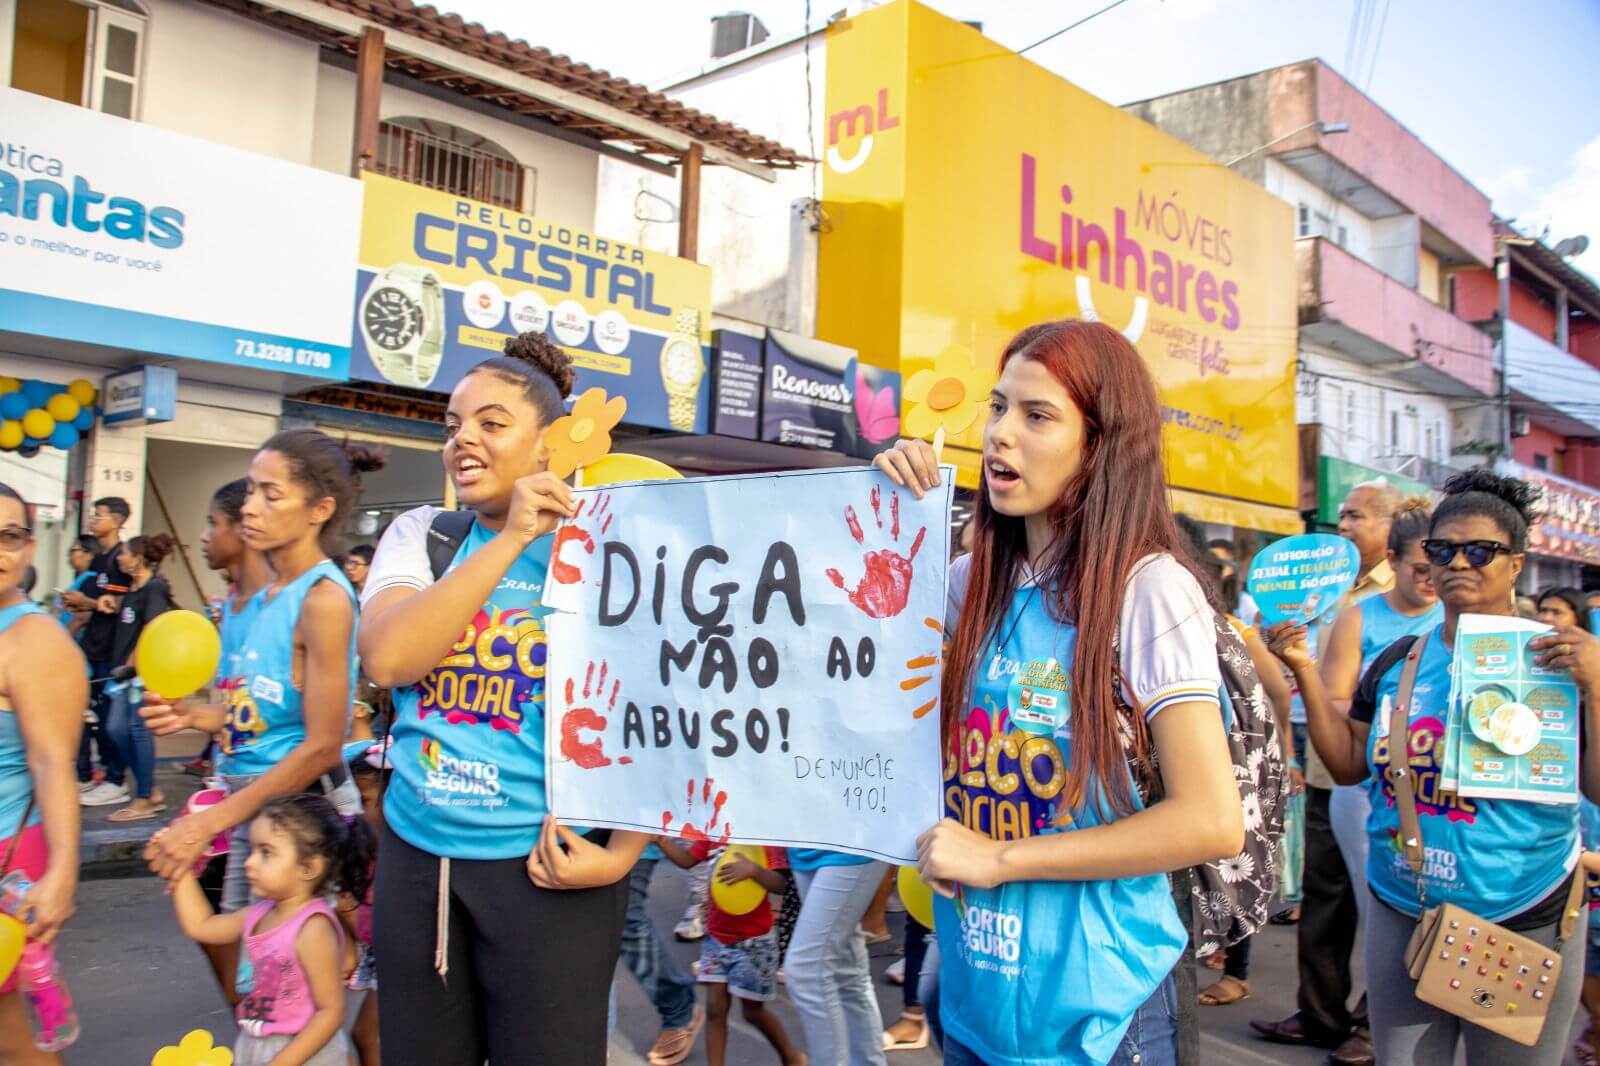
(140, 985)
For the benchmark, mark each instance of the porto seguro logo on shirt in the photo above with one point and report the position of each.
(451, 781)
(494, 674)
(991, 938)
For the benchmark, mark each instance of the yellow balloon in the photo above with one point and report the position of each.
(916, 895)
(10, 434)
(620, 466)
(177, 653)
(38, 424)
(746, 896)
(8, 384)
(82, 391)
(62, 407)
(12, 937)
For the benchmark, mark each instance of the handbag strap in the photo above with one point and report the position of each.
(1399, 771)
(1399, 774)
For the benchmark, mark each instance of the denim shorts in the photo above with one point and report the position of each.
(1591, 959)
(749, 968)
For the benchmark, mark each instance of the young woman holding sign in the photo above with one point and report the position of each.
(289, 701)
(1508, 862)
(44, 686)
(497, 928)
(1052, 859)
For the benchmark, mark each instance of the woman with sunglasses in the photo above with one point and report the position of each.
(44, 686)
(1507, 861)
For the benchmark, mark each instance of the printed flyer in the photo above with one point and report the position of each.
(1513, 728)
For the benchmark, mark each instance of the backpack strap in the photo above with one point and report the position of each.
(1399, 772)
(446, 533)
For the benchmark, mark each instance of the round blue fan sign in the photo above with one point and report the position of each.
(1302, 578)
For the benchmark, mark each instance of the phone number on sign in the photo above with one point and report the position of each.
(263, 351)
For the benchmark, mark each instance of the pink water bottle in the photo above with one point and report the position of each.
(44, 989)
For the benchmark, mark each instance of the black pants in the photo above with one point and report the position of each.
(529, 969)
(1327, 930)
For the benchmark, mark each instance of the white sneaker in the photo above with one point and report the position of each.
(105, 794)
(896, 973)
(85, 786)
(691, 928)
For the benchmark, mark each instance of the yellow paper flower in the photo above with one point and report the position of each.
(949, 394)
(195, 1049)
(584, 436)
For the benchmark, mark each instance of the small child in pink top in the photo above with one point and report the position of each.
(301, 849)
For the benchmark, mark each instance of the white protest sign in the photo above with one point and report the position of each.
(750, 658)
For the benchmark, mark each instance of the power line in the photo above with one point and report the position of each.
(1075, 25)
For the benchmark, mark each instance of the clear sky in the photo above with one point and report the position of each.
(1504, 91)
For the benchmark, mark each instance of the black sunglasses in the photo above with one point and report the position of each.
(1479, 553)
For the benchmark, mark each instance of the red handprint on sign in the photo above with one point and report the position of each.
(885, 582)
(588, 754)
(691, 832)
(561, 571)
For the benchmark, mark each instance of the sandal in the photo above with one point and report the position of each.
(917, 1043)
(1225, 991)
(673, 1045)
(874, 939)
(1216, 960)
(128, 814)
(1287, 916)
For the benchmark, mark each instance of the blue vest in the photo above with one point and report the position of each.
(266, 712)
(1494, 857)
(469, 738)
(1037, 972)
(16, 783)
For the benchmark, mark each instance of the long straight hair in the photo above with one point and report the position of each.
(1112, 513)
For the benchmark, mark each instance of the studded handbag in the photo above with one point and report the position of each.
(1479, 971)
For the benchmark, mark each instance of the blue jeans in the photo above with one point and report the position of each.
(647, 957)
(96, 735)
(830, 977)
(1151, 1040)
(130, 737)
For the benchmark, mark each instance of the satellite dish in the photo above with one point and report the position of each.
(1572, 246)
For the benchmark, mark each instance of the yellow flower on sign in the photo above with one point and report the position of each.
(947, 395)
(582, 437)
(195, 1049)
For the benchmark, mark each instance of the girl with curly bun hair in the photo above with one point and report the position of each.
(1511, 862)
(497, 929)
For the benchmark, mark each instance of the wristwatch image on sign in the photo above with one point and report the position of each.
(682, 367)
(402, 322)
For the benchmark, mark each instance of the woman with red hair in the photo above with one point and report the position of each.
(1085, 751)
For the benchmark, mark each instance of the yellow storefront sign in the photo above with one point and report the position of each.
(969, 193)
(443, 282)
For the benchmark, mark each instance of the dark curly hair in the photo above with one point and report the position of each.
(323, 467)
(1480, 492)
(543, 370)
(346, 846)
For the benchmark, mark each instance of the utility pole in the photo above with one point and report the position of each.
(1502, 271)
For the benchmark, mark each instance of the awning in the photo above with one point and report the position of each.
(1230, 512)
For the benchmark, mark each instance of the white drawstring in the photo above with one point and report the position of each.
(441, 922)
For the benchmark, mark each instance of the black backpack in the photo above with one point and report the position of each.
(445, 534)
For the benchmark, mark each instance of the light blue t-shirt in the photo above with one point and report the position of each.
(1382, 625)
(16, 782)
(266, 712)
(230, 664)
(807, 860)
(1495, 858)
(78, 584)
(468, 751)
(1036, 972)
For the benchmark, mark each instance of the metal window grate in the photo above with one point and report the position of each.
(439, 163)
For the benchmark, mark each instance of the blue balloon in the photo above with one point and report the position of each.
(85, 421)
(64, 436)
(1303, 578)
(37, 392)
(13, 405)
(28, 451)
